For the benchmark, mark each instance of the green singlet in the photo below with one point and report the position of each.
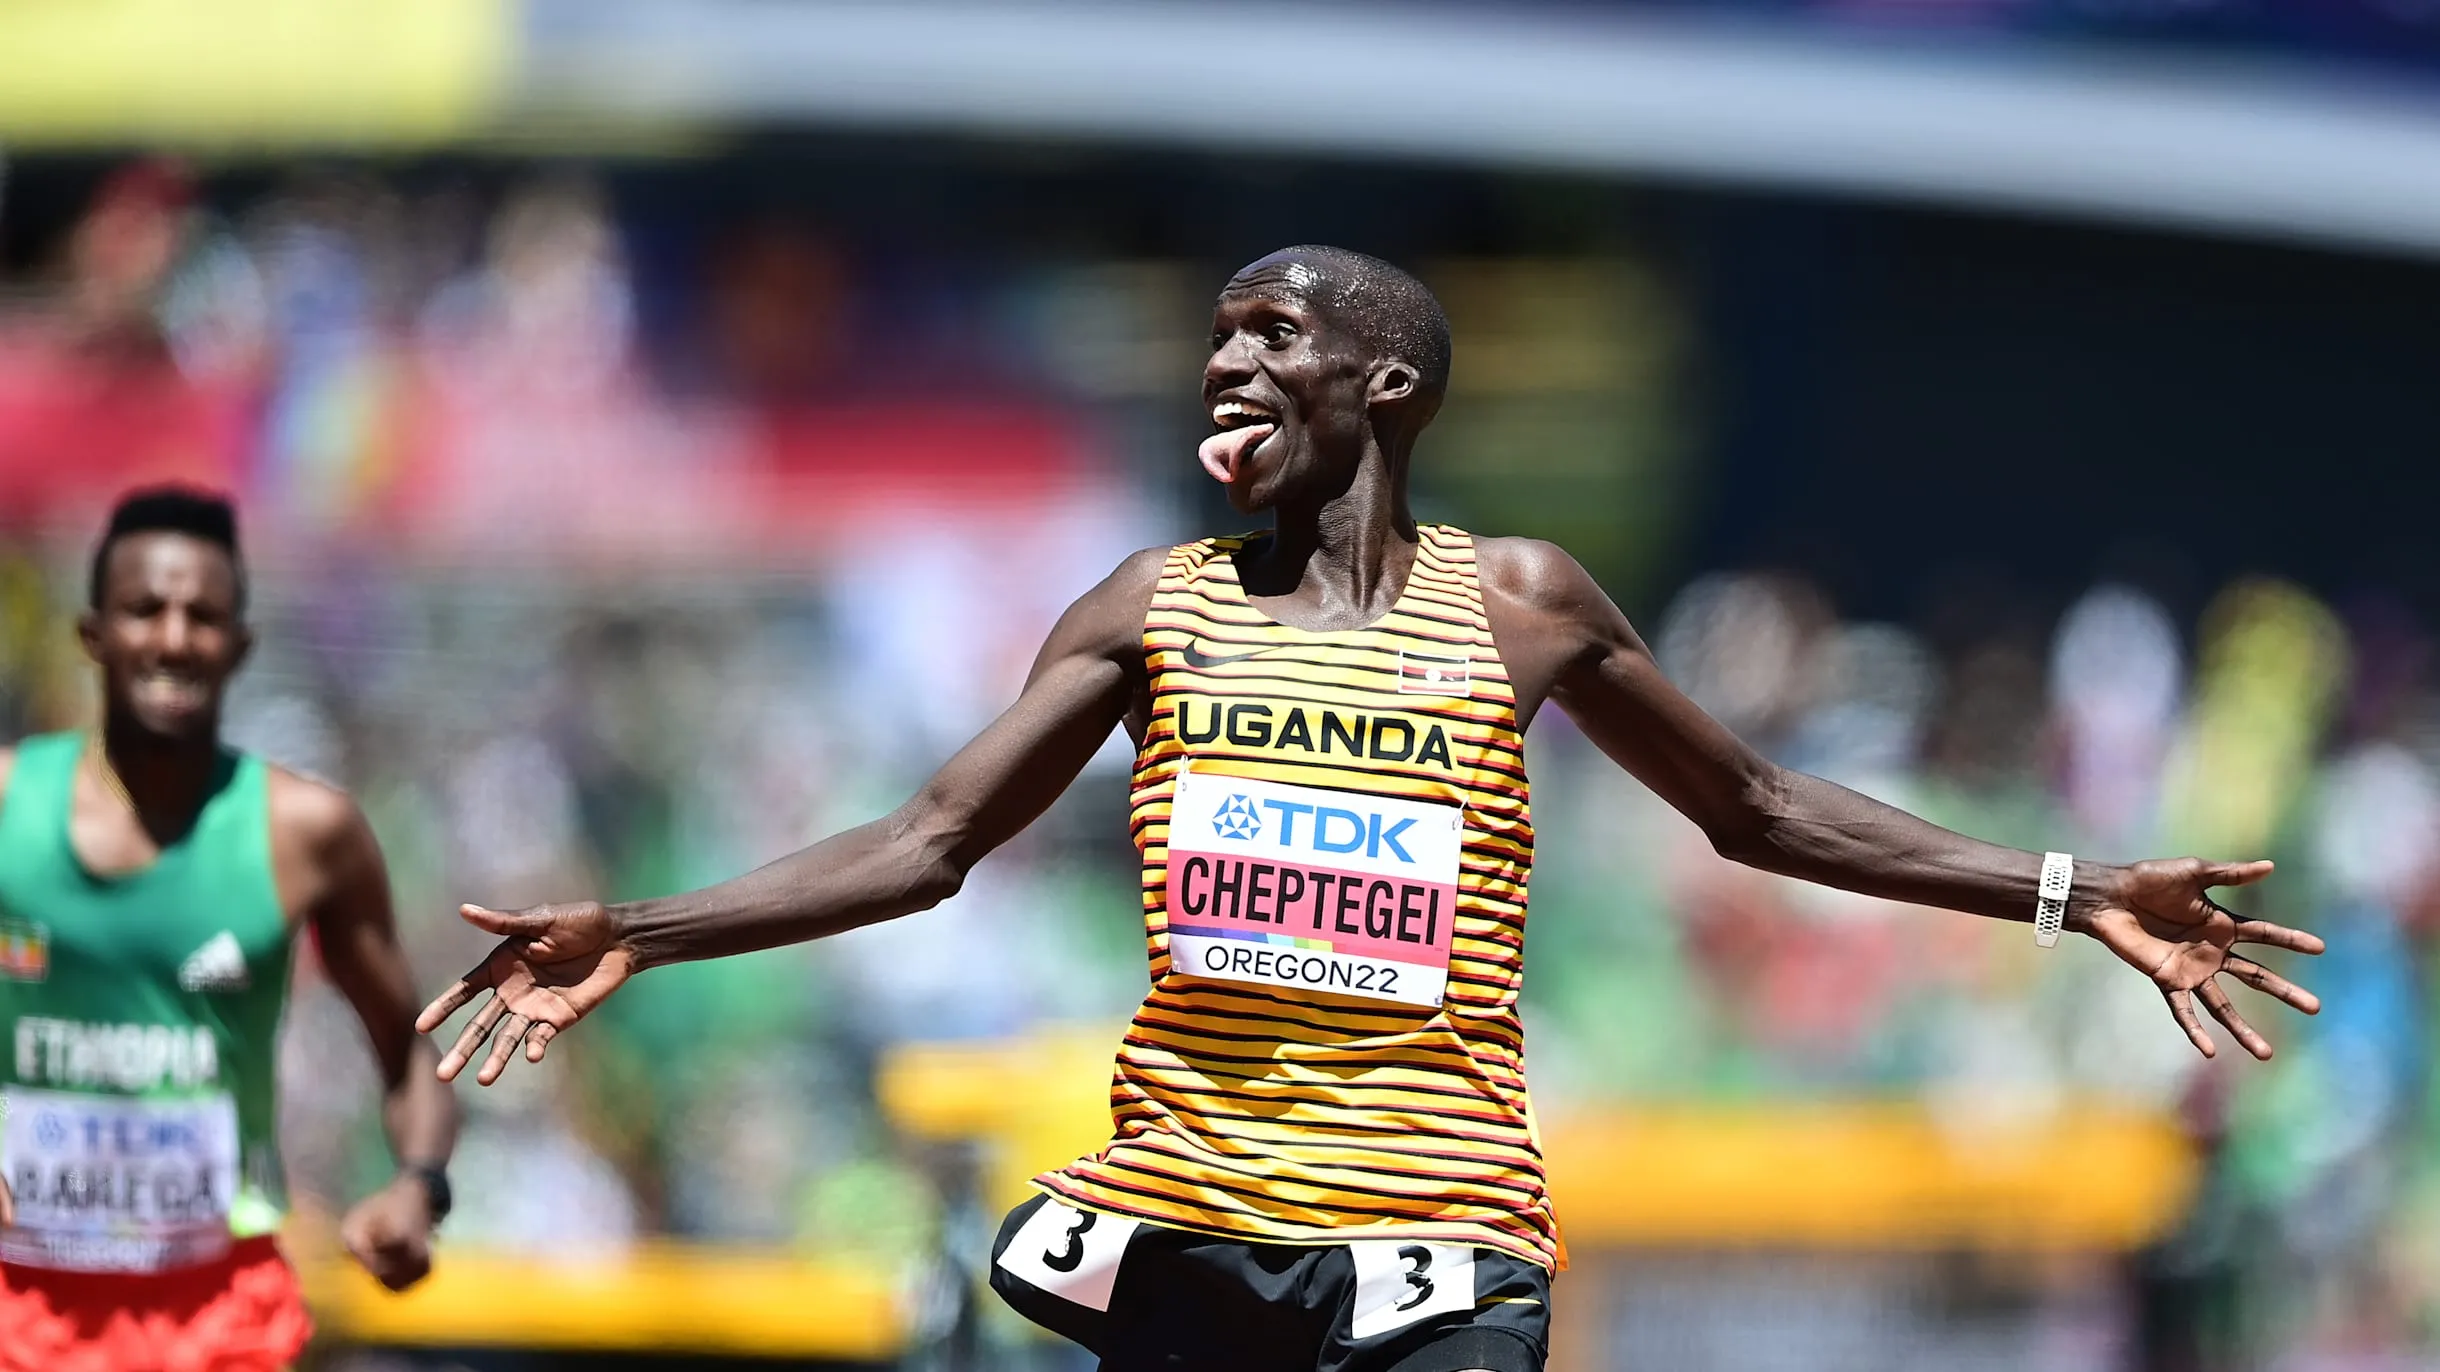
(139, 1013)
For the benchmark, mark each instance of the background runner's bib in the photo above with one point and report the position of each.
(114, 1183)
(1298, 886)
(137, 1022)
(1336, 840)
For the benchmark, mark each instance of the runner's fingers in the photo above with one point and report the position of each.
(2236, 873)
(2272, 984)
(448, 1002)
(2181, 1004)
(536, 1039)
(470, 1039)
(2225, 1011)
(2271, 935)
(502, 1049)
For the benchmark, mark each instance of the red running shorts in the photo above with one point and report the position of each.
(243, 1313)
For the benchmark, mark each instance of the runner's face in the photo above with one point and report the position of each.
(1285, 390)
(167, 634)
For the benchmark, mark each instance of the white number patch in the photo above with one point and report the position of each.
(1398, 1283)
(1073, 1254)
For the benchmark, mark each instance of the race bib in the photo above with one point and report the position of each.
(117, 1183)
(1286, 885)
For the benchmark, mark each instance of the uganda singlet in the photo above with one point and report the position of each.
(137, 1018)
(1336, 841)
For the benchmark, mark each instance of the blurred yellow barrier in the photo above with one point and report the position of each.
(1838, 1175)
(182, 74)
(1033, 1103)
(1863, 1175)
(667, 1298)
(1873, 1175)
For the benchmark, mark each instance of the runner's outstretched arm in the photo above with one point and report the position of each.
(388, 1232)
(2157, 916)
(556, 962)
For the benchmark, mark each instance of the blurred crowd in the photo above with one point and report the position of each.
(574, 614)
(2276, 725)
(488, 448)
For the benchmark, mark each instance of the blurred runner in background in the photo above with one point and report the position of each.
(152, 883)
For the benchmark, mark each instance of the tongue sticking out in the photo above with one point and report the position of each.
(1224, 453)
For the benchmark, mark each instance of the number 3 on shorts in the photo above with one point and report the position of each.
(1072, 1254)
(1399, 1283)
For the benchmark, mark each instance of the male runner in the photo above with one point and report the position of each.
(152, 883)
(1324, 1158)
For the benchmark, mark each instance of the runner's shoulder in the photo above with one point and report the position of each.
(317, 816)
(1110, 617)
(1140, 571)
(1546, 611)
(1535, 575)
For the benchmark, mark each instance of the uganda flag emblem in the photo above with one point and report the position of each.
(1421, 674)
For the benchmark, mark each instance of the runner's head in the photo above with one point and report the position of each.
(166, 619)
(1313, 348)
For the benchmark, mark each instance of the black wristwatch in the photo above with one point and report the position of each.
(436, 1188)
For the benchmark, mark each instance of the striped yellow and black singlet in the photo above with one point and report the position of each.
(1299, 1114)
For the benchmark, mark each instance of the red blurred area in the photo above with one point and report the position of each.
(76, 428)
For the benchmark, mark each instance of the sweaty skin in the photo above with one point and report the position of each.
(1343, 414)
(167, 637)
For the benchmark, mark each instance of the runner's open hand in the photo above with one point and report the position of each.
(553, 965)
(2162, 921)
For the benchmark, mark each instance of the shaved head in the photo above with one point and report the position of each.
(1393, 313)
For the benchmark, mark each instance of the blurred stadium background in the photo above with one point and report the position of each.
(2024, 410)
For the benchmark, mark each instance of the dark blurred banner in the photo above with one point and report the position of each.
(2291, 120)
(2405, 33)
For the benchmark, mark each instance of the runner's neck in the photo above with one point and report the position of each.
(1345, 559)
(163, 781)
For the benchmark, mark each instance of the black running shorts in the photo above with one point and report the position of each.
(1145, 1298)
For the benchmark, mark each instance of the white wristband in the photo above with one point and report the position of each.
(2050, 910)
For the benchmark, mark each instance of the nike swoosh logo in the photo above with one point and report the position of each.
(1204, 662)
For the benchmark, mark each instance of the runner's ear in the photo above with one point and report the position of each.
(1392, 382)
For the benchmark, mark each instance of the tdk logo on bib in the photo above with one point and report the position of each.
(1236, 819)
(1318, 828)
